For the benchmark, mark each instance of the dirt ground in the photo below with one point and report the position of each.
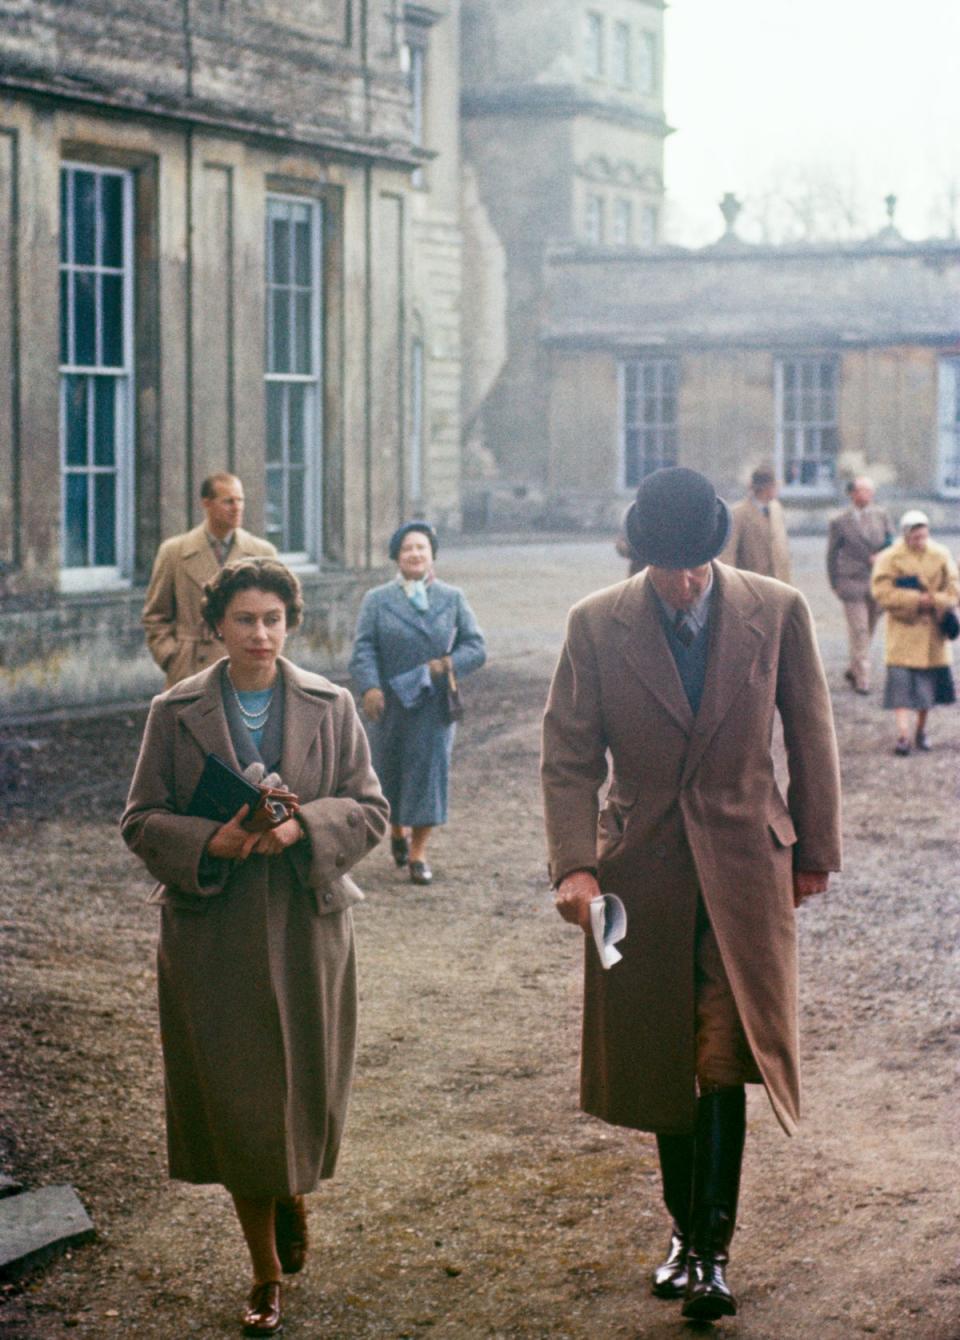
(472, 1199)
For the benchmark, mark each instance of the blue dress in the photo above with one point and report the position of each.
(411, 747)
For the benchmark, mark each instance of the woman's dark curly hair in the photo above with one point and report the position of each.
(252, 574)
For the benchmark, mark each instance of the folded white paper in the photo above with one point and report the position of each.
(608, 922)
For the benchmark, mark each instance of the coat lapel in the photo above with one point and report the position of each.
(735, 641)
(199, 560)
(206, 720)
(643, 644)
(302, 714)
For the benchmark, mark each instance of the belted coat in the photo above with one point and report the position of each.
(693, 809)
(179, 639)
(256, 966)
(412, 746)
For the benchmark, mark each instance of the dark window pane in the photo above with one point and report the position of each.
(105, 520)
(274, 511)
(84, 323)
(281, 331)
(304, 334)
(75, 522)
(650, 409)
(64, 210)
(826, 375)
(789, 376)
(84, 218)
(296, 495)
(65, 318)
(274, 421)
(75, 419)
(104, 421)
(112, 221)
(303, 270)
(298, 426)
(111, 315)
(649, 378)
(669, 410)
(281, 251)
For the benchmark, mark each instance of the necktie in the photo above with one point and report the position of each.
(682, 630)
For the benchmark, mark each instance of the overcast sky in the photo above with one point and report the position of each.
(759, 88)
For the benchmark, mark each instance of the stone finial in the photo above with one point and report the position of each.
(730, 208)
(890, 202)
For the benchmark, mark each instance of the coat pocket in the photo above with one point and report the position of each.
(784, 833)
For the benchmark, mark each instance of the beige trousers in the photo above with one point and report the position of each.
(723, 1053)
(862, 616)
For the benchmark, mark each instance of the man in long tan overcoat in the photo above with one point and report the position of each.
(180, 641)
(758, 530)
(676, 675)
(854, 540)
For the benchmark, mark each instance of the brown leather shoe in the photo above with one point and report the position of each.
(290, 1231)
(263, 1315)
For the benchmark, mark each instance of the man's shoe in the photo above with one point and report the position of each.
(902, 748)
(400, 848)
(290, 1231)
(708, 1295)
(420, 873)
(921, 741)
(263, 1314)
(670, 1278)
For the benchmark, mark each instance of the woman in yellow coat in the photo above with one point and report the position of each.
(915, 581)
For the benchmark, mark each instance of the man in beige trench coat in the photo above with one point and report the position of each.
(179, 640)
(677, 674)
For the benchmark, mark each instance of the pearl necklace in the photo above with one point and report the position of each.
(252, 720)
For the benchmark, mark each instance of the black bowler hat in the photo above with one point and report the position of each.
(398, 536)
(677, 520)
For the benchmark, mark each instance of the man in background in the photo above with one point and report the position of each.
(856, 537)
(758, 534)
(179, 640)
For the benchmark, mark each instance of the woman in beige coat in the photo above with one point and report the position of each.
(915, 581)
(256, 968)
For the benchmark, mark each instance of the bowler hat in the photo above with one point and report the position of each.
(399, 535)
(677, 520)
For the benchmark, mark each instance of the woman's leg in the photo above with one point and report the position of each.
(901, 716)
(420, 836)
(397, 831)
(256, 1215)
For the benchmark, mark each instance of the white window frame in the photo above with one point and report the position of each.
(622, 226)
(594, 40)
(948, 426)
(313, 444)
(94, 577)
(658, 425)
(621, 56)
(649, 223)
(594, 219)
(413, 62)
(825, 484)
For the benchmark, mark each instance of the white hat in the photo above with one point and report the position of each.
(914, 518)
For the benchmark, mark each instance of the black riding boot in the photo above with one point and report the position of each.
(721, 1128)
(676, 1171)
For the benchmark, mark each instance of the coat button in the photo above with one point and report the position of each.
(341, 860)
(328, 897)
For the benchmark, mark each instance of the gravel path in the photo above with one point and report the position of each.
(473, 1200)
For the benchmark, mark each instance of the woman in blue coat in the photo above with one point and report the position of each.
(408, 631)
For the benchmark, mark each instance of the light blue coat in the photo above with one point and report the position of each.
(411, 747)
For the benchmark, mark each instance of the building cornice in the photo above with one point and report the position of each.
(775, 342)
(932, 249)
(335, 140)
(560, 101)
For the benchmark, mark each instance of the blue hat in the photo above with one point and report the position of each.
(677, 520)
(398, 536)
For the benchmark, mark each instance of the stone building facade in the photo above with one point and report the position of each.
(212, 256)
(563, 131)
(822, 360)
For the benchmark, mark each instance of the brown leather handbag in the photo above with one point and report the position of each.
(452, 706)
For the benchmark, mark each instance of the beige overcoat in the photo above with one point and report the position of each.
(758, 543)
(256, 967)
(178, 638)
(693, 808)
(912, 637)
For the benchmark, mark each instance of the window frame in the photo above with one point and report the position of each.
(659, 426)
(621, 50)
(622, 214)
(824, 486)
(594, 212)
(76, 579)
(594, 43)
(313, 486)
(948, 425)
(648, 63)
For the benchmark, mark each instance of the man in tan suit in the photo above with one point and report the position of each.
(758, 533)
(179, 640)
(676, 675)
(855, 539)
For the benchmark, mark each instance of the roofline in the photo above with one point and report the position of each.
(827, 341)
(558, 101)
(577, 254)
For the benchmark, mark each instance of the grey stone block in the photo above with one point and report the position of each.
(37, 1225)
